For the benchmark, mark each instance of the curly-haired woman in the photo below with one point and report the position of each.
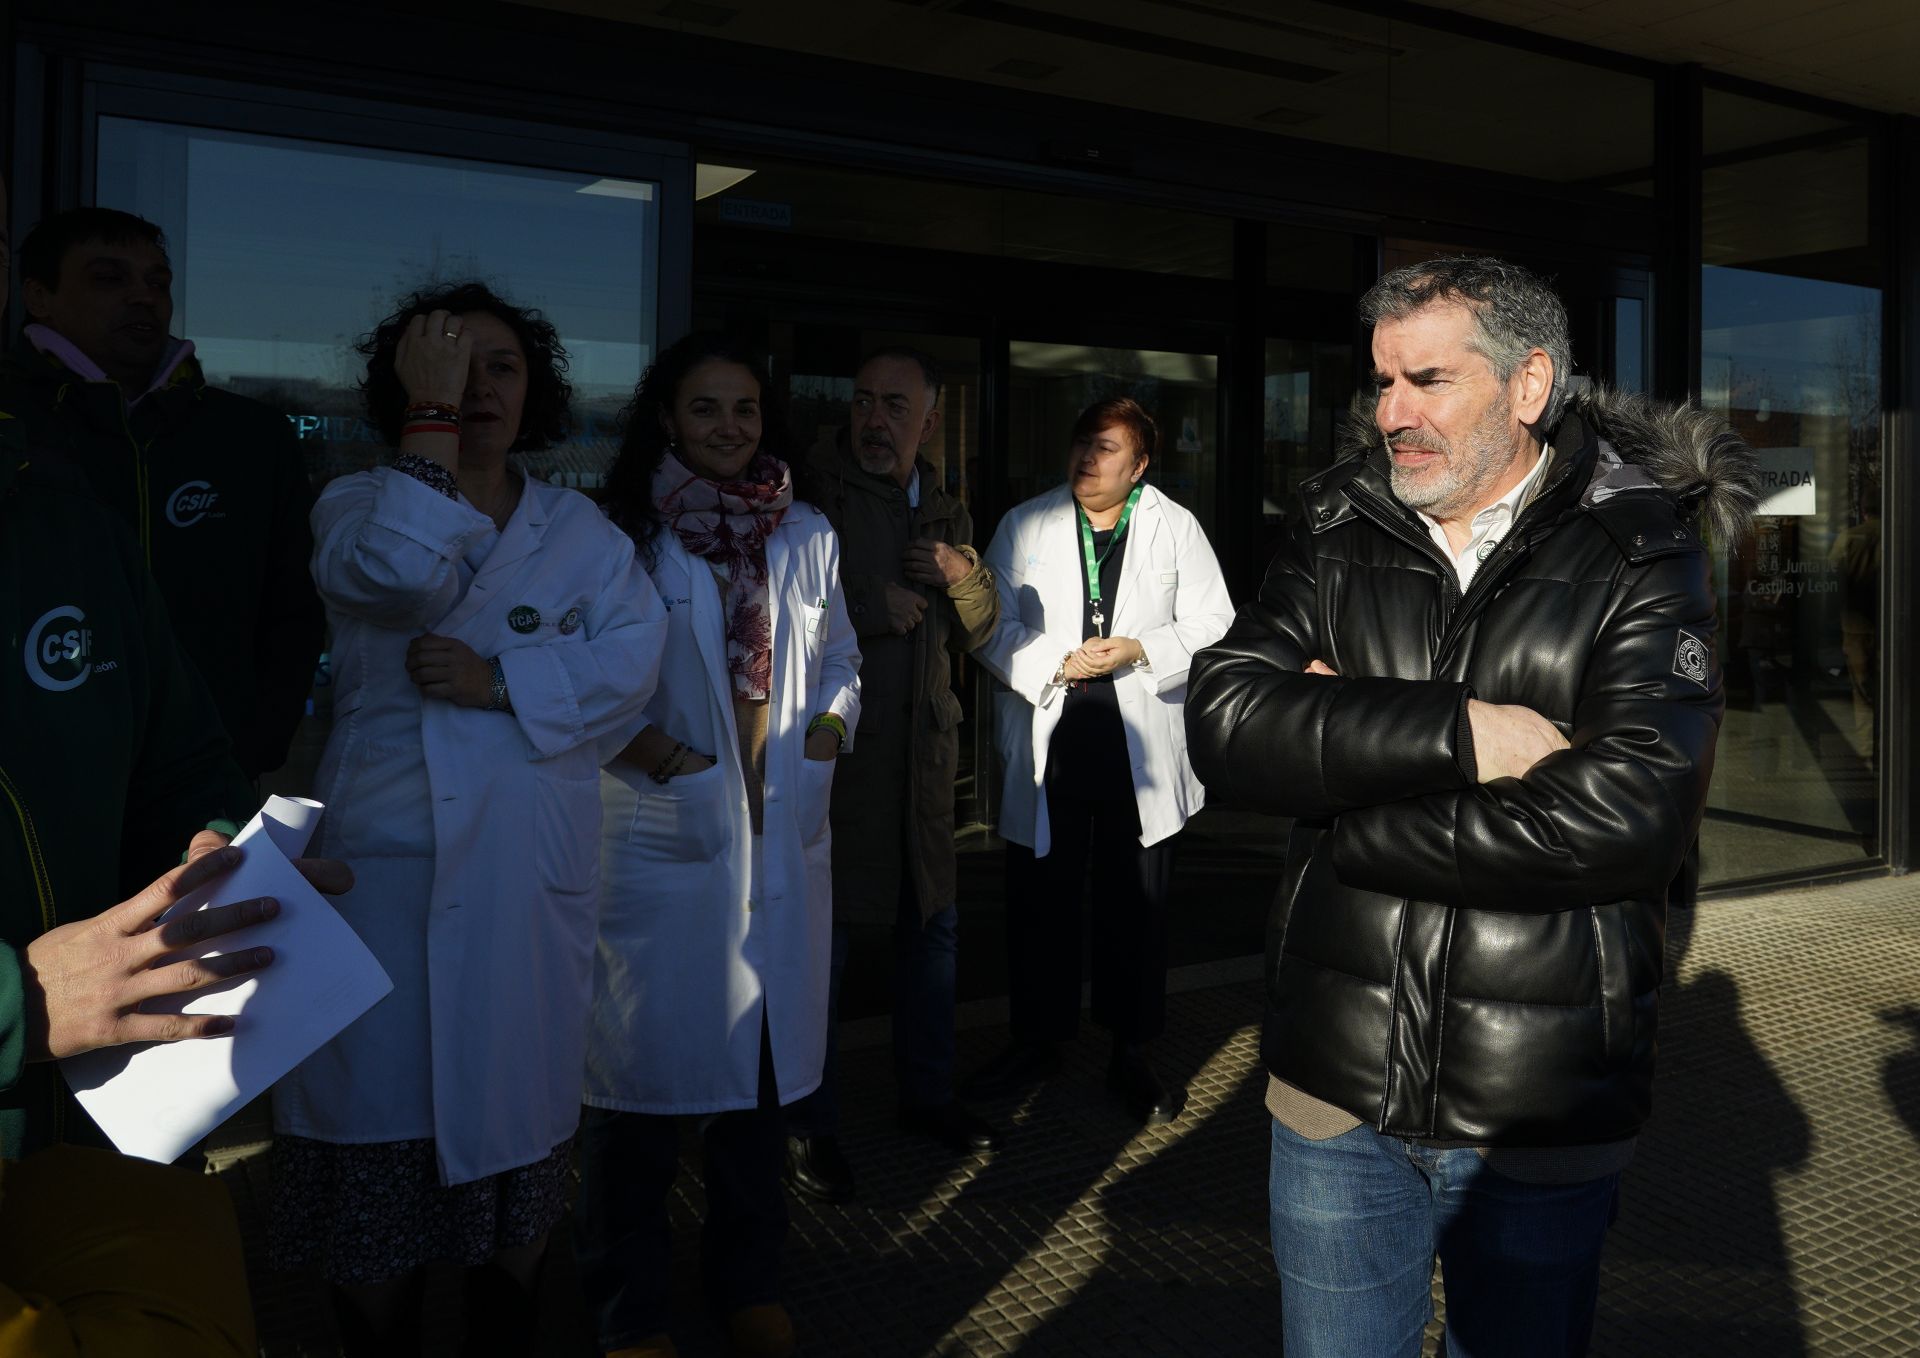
(717, 927)
(494, 642)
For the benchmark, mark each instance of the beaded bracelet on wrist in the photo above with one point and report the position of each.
(428, 473)
(669, 766)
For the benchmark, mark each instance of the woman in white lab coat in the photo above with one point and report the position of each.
(716, 929)
(1107, 588)
(494, 641)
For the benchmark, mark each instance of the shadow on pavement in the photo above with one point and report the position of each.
(1025, 1250)
(1699, 1199)
(1900, 1074)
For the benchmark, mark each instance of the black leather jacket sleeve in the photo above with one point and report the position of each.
(1609, 818)
(1262, 731)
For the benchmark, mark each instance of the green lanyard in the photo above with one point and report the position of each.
(1095, 562)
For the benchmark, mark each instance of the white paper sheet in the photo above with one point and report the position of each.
(156, 1099)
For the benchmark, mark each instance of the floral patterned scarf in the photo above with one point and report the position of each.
(726, 524)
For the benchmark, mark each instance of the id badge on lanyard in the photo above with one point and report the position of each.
(1095, 562)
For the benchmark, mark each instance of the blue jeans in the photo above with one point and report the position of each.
(1358, 1219)
(925, 959)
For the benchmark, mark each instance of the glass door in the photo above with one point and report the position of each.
(1790, 356)
(1049, 384)
(815, 360)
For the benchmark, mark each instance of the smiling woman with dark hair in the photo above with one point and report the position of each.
(716, 918)
(494, 640)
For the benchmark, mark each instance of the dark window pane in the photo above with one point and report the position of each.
(925, 214)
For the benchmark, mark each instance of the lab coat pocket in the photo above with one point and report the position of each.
(816, 795)
(1161, 597)
(381, 804)
(813, 626)
(566, 830)
(685, 819)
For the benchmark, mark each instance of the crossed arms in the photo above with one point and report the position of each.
(1433, 795)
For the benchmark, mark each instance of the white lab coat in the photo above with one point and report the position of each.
(1172, 599)
(473, 835)
(695, 936)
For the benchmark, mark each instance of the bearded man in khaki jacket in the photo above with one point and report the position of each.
(918, 596)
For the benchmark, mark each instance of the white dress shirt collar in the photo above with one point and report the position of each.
(1489, 526)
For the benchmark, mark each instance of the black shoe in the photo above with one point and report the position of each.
(817, 1169)
(1141, 1091)
(1014, 1070)
(356, 1332)
(953, 1125)
(502, 1316)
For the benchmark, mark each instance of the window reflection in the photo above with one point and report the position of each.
(1629, 344)
(1790, 355)
(1309, 384)
(286, 252)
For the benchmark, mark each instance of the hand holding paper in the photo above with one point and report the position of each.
(155, 1100)
(85, 982)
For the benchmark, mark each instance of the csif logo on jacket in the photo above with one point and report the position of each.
(59, 650)
(192, 502)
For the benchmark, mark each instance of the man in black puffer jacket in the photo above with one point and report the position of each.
(1481, 677)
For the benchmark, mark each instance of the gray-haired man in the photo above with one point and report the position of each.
(1480, 675)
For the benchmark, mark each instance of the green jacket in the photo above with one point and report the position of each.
(215, 490)
(111, 756)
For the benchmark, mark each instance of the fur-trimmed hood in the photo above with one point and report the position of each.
(1691, 455)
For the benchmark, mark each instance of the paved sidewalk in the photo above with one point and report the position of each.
(1773, 1207)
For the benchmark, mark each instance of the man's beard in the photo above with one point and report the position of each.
(1469, 469)
(876, 459)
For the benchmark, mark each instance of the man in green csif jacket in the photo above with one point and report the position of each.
(111, 756)
(211, 483)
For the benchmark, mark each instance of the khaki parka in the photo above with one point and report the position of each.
(893, 789)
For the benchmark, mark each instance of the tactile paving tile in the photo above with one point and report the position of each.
(1773, 1206)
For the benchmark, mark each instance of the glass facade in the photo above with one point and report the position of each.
(1790, 343)
(285, 252)
(1228, 311)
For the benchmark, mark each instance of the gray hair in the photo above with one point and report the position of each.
(929, 366)
(1514, 313)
